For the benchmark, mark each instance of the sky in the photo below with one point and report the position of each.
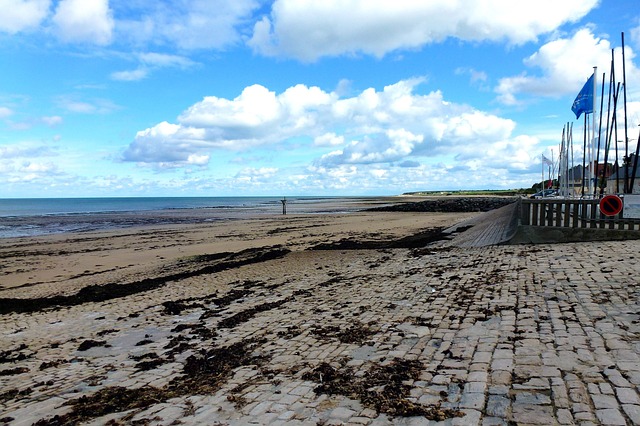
(103, 98)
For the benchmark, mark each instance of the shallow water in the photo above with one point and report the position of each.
(34, 217)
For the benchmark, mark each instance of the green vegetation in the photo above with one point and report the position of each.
(494, 192)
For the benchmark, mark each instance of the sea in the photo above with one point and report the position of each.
(28, 217)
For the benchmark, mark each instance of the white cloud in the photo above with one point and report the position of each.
(328, 139)
(152, 61)
(165, 60)
(309, 29)
(195, 24)
(257, 174)
(565, 65)
(25, 150)
(84, 21)
(392, 145)
(133, 75)
(92, 106)
(5, 112)
(20, 15)
(26, 162)
(52, 121)
(375, 127)
(635, 36)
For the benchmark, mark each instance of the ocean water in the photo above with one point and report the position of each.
(62, 206)
(42, 216)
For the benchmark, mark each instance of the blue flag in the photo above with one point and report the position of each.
(584, 100)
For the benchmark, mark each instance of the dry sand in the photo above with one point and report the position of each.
(242, 322)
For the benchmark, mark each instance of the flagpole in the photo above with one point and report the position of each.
(542, 174)
(584, 154)
(627, 190)
(573, 170)
(593, 129)
(550, 169)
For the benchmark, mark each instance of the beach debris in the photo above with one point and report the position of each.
(192, 267)
(13, 355)
(247, 314)
(14, 394)
(418, 240)
(203, 374)
(382, 388)
(88, 344)
(14, 371)
(289, 332)
(356, 333)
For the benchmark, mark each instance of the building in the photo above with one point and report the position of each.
(616, 181)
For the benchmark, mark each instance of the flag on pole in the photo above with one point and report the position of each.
(584, 100)
(546, 161)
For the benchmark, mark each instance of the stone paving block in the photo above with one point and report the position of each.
(504, 364)
(529, 398)
(633, 412)
(533, 383)
(615, 377)
(604, 401)
(628, 396)
(560, 396)
(532, 414)
(359, 420)
(610, 417)
(478, 376)
(494, 421)
(584, 416)
(564, 417)
(472, 400)
(471, 417)
(475, 387)
(498, 406)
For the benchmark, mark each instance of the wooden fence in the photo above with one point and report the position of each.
(571, 213)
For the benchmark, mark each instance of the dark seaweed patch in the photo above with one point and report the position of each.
(418, 240)
(13, 355)
(204, 373)
(14, 371)
(356, 333)
(88, 344)
(14, 394)
(100, 293)
(381, 388)
(247, 314)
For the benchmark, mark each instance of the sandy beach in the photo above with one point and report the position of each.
(334, 318)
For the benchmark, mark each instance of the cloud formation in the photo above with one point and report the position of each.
(308, 29)
(151, 61)
(373, 127)
(84, 21)
(564, 64)
(21, 15)
(195, 24)
(5, 112)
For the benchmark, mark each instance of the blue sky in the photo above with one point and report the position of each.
(296, 97)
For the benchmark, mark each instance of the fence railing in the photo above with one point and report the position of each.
(570, 213)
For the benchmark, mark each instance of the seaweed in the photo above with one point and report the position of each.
(418, 240)
(101, 293)
(356, 333)
(88, 344)
(203, 374)
(381, 388)
(247, 314)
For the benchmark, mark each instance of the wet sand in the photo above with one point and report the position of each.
(315, 319)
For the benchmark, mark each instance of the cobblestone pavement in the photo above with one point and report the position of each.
(501, 335)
